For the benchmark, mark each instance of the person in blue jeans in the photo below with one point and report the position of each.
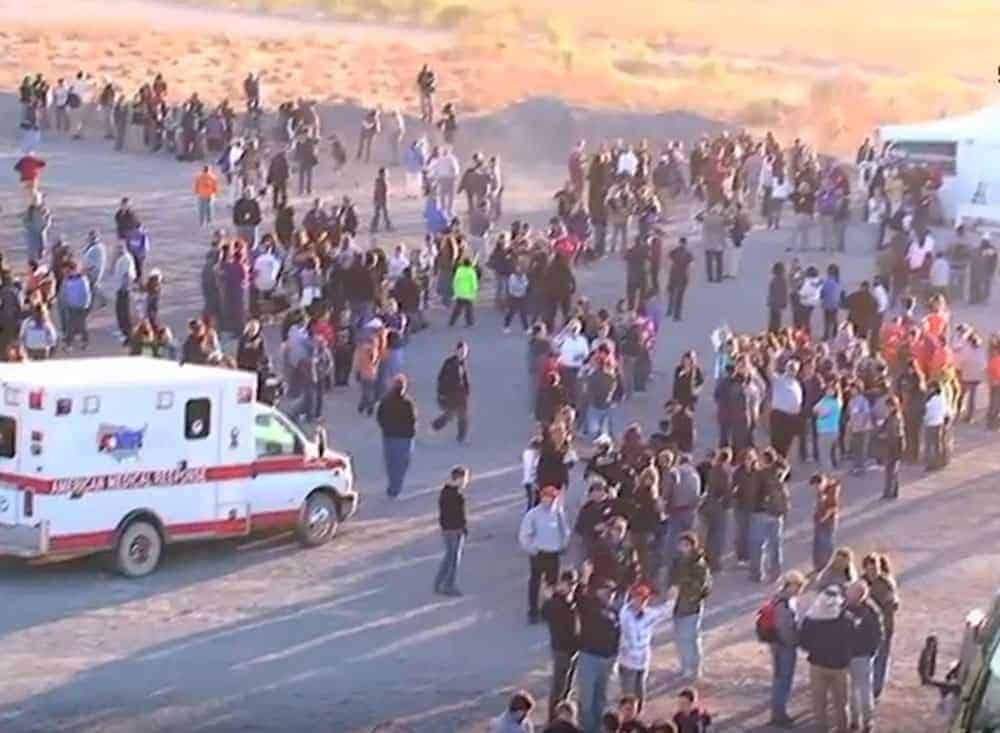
(600, 633)
(397, 417)
(784, 647)
(825, 519)
(451, 518)
(767, 523)
(691, 575)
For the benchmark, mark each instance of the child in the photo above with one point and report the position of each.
(689, 718)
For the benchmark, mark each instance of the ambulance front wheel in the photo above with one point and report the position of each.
(318, 523)
(139, 549)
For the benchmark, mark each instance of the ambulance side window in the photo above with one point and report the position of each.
(8, 437)
(197, 418)
(273, 438)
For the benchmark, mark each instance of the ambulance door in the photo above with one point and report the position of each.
(10, 509)
(234, 489)
(195, 425)
(279, 484)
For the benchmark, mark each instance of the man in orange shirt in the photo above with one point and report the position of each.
(206, 186)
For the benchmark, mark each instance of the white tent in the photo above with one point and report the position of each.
(966, 148)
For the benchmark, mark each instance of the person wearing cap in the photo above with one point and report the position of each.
(638, 620)
(784, 646)
(599, 640)
(825, 635)
(544, 535)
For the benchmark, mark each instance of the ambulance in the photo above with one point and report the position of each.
(128, 454)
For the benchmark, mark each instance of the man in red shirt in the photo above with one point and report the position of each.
(29, 168)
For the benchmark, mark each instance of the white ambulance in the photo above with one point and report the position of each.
(128, 454)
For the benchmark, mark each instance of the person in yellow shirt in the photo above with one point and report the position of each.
(206, 186)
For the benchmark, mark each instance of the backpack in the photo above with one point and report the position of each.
(766, 622)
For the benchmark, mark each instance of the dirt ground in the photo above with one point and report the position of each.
(260, 635)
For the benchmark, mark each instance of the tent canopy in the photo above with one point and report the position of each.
(983, 125)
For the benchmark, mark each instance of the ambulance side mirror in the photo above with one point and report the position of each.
(321, 441)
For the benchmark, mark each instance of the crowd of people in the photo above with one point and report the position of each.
(881, 380)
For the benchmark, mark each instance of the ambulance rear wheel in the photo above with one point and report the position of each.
(318, 523)
(139, 549)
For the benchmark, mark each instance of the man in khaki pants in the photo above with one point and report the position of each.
(826, 636)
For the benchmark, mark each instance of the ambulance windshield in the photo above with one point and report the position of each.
(274, 436)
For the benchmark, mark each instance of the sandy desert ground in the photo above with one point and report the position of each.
(262, 636)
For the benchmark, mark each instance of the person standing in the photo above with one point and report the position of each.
(783, 641)
(825, 519)
(454, 529)
(600, 636)
(895, 446)
(777, 297)
(453, 391)
(278, 173)
(768, 520)
(465, 288)
(866, 640)
(693, 579)
(75, 299)
(544, 534)
(37, 222)
(426, 86)
(371, 125)
(786, 408)
(247, 217)
(826, 634)
(206, 188)
(306, 158)
(714, 231)
(559, 613)
(397, 417)
(123, 278)
(94, 260)
(678, 278)
(877, 573)
(638, 620)
(380, 200)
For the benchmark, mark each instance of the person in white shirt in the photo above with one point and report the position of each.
(638, 620)
(80, 95)
(529, 471)
(573, 348)
(940, 274)
(936, 415)
(444, 172)
(780, 192)
(266, 270)
(628, 163)
(60, 98)
(920, 248)
(399, 261)
(123, 279)
(544, 534)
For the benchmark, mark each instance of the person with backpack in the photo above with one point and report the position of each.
(825, 635)
(776, 626)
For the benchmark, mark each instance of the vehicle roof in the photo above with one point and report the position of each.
(114, 371)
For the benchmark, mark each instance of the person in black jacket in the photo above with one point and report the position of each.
(397, 417)
(247, 217)
(600, 633)
(278, 173)
(558, 287)
(826, 635)
(559, 613)
(451, 518)
(866, 639)
(777, 297)
(453, 391)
